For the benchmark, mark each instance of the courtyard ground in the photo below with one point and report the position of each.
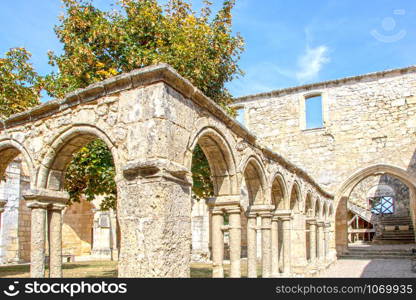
(344, 268)
(370, 268)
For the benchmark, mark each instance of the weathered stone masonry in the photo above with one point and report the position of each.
(151, 119)
(369, 130)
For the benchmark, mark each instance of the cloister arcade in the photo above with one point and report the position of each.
(151, 119)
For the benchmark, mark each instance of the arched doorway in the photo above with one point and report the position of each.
(344, 202)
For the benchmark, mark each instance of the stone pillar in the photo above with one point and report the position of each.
(275, 247)
(326, 239)
(55, 240)
(312, 239)
(154, 214)
(252, 246)
(266, 219)
(286, 245)
(320, 241)
(37, 238)
(217, 244)
(39, 201)
(235, 241)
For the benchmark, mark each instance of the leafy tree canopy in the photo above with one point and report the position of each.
(19, 84)
(136, 33)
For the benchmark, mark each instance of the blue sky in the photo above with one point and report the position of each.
(287, 42)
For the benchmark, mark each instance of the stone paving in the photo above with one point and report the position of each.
(370, 268)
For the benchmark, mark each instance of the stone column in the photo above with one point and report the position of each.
(326, 239)
(235, 241)
(286, 245)
(320, 241)
(312, 239)
(251, 246)
(55, 240)
(217, 244)
(39, 201)
(275, 247)
(37, 238)
(266, 219)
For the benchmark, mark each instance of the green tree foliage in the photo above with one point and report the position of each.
(100, 44)
(201, 175)
(19, 84)
(91, 173)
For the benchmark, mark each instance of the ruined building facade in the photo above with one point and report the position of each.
(282, 191)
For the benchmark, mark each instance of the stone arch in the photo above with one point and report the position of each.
(52, 171)
(318, 208)
(279, 192)
(254, 176)
(295, 197)
(220, 159)
(309, 205)
(9, 150)
(341, 197)
(325, 213)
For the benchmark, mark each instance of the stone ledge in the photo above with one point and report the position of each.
(324, 84)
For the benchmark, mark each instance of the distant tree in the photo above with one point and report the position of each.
(100, 44)
(20, 85)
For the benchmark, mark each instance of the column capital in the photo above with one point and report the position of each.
(46, 196)
(261, 209)
(327, 224)
(37, 204)
(284, 215)
(233, 210)
(311, 221)
(224, 200)
(320, 223)
(57, 206)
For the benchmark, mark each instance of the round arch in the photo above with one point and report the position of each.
(295, 197)
(341, 198)
(255, 179)
(9, 149)
(318, 208)
(52, 171)
(220, 159)
(279, 192)
(309, 205)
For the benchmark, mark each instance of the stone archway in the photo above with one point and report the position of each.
(225, 201)
(341, 198)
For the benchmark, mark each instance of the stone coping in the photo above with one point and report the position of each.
(324, 84)
(143, 77)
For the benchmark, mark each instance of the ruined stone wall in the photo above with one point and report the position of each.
(369, 119)
(15, 221)
(152, 119)
(383, 185)
(77, 229)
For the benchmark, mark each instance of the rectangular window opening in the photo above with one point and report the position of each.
(240, 115)
(314, 118)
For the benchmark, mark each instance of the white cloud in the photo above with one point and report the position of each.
(311, 63)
